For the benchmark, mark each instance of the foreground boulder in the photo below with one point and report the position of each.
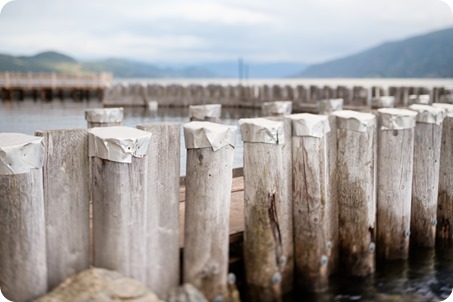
(100, 285)
(185, 293)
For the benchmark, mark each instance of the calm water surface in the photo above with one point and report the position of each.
(427, 276)
(28, 116)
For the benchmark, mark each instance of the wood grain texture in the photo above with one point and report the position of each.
(332, 232)
(67, 200)
(162, 217)
(357, 201)
(23, 268)
(286, 223)
(425, 184)
(311, 218)
(207, 209)
(445, 200)
(119, 211)
(264, 205)
(394, 192)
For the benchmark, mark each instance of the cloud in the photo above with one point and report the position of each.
(202, 30)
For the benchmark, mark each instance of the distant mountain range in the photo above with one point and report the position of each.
(121, 68)
(428, 55)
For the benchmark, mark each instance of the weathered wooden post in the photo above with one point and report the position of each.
(263, 173)
(119, 189)
(333, 245)
(286, 225)
(425, 182)
(383, 102)
(104, 117)
(66, 195)
(162, 213)
(277, 108)
(394, 181)
(445, 200)
(210, 149)
(312, 218)
(356, 162)
(329, 106)
(23, 269)
(209, 113)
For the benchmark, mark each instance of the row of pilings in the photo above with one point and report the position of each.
(319, 191)
(252, 96)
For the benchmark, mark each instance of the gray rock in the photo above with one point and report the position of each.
(100, 285)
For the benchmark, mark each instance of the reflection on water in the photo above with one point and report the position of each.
(426, 276)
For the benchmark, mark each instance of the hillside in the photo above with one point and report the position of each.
(423, 56)
(56, 62)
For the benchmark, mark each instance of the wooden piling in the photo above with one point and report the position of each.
(312, 219)
(210, 149)
(277, 108)
(23, 269)
(332, 246)
(66, 195)
(119, 189)
(356, 162)
(209, 113)
(425, 182)
(264, 205)
(328, 106)
(162, 213)
(445, 194)
(394, 181)
(286, 225)
(104, 117)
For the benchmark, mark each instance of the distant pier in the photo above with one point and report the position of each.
(304, 96)
(49, 86)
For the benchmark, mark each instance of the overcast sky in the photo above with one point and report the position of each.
(194, 31)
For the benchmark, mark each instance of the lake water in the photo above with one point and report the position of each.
(28, 116)
(427, 276)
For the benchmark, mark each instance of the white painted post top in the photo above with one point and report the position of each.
(330, 105)
(202, 111)
(419, 99)
(384, 102)
(428, 114)
(306, 124)
(447, 107)
(104, 115)
(198, 135)
(261, 130)
(118, 143)
(19, 153)
(354, 121)
(277, 108)
(396, 119)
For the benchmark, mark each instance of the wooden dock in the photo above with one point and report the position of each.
(47, 86)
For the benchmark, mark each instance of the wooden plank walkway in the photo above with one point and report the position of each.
(236, 211)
